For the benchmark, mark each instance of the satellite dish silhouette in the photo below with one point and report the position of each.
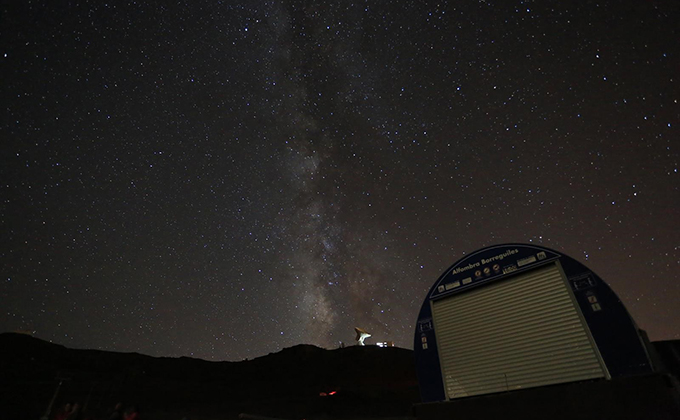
(361, 335)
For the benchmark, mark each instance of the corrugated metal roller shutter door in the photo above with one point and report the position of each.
(516, 333)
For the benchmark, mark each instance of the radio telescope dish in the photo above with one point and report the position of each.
(361, 335)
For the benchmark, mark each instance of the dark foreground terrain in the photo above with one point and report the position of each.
(299, 382)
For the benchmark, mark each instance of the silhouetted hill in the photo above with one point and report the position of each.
(368, 381)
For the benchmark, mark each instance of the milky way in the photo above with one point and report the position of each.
(225, 179)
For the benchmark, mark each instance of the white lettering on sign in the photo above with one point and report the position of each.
(500, 257)
(467, 267)
(483, 261)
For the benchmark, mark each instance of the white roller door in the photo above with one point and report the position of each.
(520, 332)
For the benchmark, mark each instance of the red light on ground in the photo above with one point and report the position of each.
(326, 394)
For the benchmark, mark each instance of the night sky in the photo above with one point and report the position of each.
(224, 179)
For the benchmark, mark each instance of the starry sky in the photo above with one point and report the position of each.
(224, 179)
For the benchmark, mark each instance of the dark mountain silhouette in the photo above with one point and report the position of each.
(356, 382)
(303, 381)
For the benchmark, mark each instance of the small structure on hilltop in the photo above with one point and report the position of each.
(361, 335)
